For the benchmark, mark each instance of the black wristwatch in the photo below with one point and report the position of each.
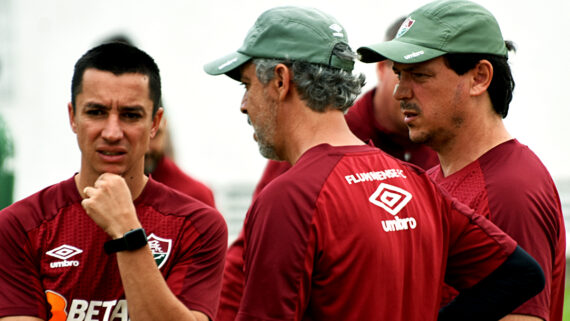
(132, 240)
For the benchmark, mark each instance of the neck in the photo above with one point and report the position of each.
(471, 143)
(305, 128)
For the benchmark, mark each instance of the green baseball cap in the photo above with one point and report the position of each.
(293, 33)
(440, 27)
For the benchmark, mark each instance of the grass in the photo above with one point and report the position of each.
(566, 313)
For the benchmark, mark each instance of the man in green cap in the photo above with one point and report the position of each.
(454, 91)
(350, 233)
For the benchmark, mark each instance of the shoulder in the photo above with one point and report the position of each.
(513, 167)
(167, 201)
(31, 211)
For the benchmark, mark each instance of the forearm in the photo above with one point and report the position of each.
(148, 296)
(518, 279)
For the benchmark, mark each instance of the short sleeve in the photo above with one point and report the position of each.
(21, 292)
(278, 238)
(477, 247)
(196, 279)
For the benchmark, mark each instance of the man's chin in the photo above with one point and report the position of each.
(269, 153)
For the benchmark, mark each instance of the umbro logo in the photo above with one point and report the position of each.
(393, 199)
(64, 252)
(337, 30)
(390, 198)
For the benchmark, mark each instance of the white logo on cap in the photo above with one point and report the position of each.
(227, 63)
(338, 30)
(406, 25)
(414, 54)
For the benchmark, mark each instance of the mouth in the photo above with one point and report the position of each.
(409, 116)
(111, 156)
(107, 153)
(410, 112)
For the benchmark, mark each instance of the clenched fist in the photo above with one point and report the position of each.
(109, 204)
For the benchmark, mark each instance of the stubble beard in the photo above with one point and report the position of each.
(266, 133)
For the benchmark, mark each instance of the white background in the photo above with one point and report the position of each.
(43, 39)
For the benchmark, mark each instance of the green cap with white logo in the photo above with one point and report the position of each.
(438, 28)
(292, 33)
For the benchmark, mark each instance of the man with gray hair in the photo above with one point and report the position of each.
(350, 233)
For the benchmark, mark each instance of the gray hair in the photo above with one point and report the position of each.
(320, 86)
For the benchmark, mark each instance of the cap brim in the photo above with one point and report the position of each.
(398, 51)
(228, 65)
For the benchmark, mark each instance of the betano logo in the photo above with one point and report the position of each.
(64, 252)
(83, 310)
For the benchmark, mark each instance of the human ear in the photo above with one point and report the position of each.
(71, 115)
(282, 80)
(481, 74)
(156, 121)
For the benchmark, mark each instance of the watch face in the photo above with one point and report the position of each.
(135, 239)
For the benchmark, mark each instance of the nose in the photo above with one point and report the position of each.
(112, 131)
(243, 108)
(402, 91)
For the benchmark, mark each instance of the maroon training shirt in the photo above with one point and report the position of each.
(510, 186)
(52, 258)
(350, 233)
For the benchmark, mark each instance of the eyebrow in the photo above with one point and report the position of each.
(132, 108)
(404, 67)
(135, 108)
(96, 106)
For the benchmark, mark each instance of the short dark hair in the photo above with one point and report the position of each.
(118, 58)
(502, 85)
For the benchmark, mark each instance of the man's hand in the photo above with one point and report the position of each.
(109, 204)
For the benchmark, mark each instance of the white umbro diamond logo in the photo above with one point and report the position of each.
(390, 198)
(337, 30)
(64, 252)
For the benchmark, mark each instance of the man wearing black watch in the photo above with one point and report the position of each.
(132, 240)
(110, 243)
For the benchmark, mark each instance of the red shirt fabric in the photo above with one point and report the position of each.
(510, 186)
(360, 119)
(171, 175)
(53, 262)
(350, 233)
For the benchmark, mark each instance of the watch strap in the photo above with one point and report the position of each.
(132, 240)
